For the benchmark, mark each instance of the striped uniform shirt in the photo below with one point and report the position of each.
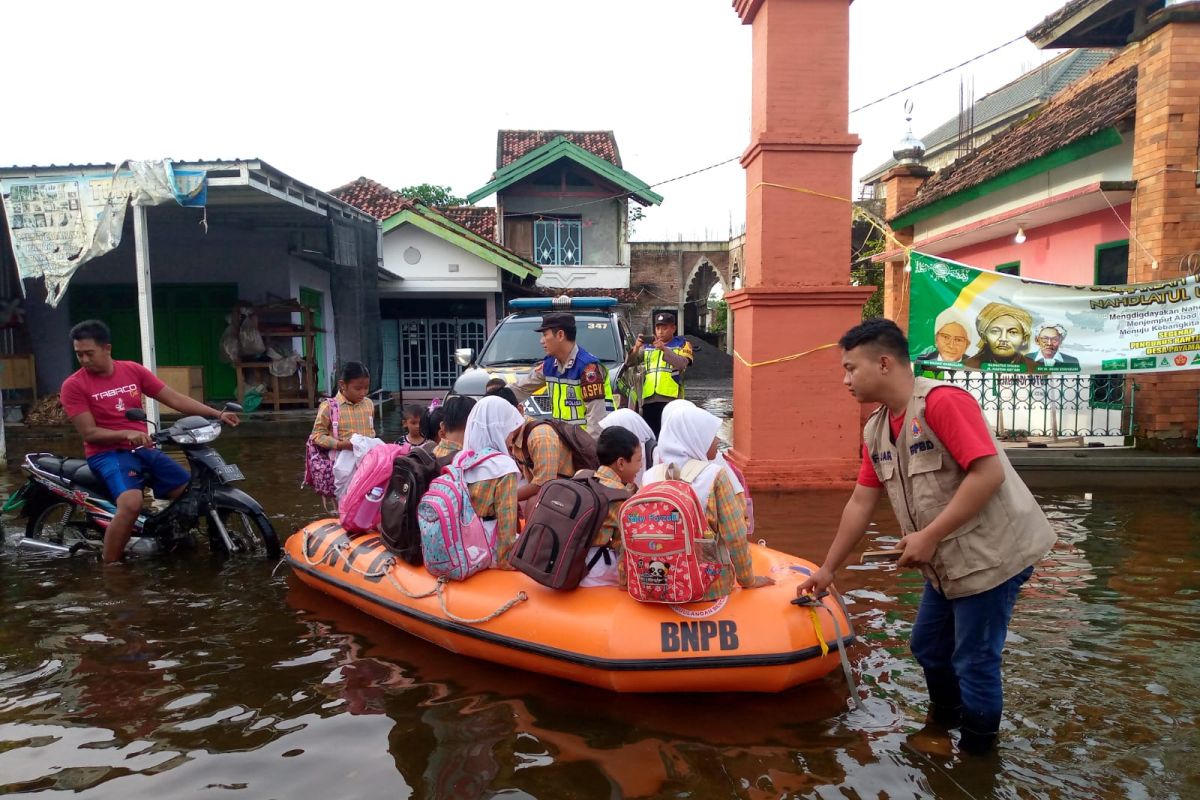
(726, 514)
(352, 418)
(550, 458)
(446, 448)
(496, 498)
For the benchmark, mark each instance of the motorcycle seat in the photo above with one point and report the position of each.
(74, 471)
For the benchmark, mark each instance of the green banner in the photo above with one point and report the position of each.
(966, 318)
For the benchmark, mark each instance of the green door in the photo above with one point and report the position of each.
(311, 298)
(188, 323)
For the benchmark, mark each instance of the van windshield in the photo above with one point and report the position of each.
(516, 341)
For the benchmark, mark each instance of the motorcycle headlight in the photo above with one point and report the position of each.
(197, 435)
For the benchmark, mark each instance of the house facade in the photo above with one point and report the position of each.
(443, 284)
(262, 237)
(1098, 186)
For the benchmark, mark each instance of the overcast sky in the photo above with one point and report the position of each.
(408, 92)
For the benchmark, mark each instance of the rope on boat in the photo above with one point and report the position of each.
(400, 587)
(708, 612)
(813, 603)
(441, 593)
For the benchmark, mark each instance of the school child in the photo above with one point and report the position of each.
(493, 385)
(355, 411)
(492, 485)
(632, 421)
(620, 455)
(330, 455)
(690, 434)
(431, 425)
(412, 426)
(453, 425)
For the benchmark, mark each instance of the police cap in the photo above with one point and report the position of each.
(557, 321)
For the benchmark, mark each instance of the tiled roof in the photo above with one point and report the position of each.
(1038, 84)
(372, 197)
(381, 202)
(1057, 18)
(1080, 112)
(477, 219)
(511, 145)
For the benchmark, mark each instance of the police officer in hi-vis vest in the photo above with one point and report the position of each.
(969, 523)
(577, 381)
(665, 360)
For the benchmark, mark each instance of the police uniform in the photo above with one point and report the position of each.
(664, 374)
(577, 387)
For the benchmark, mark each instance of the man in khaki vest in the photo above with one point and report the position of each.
(969, 523)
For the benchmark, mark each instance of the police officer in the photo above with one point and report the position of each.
(665, 360)
(577, 381)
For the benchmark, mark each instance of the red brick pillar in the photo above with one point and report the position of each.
(794, 424)
(901, 184)
(1165, 214)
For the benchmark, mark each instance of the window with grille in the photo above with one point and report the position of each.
(424, 350)
(558, 242)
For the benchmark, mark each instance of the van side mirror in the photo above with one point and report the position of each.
(135, 414)
(464, 356)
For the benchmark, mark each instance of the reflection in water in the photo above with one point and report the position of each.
(193, 677)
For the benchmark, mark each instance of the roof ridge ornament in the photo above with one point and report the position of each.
(910, 149)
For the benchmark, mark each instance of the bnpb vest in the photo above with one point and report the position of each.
(921, 476)
(661, 378)
(566, 388)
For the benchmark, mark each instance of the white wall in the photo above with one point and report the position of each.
(433, 272)
(1113, 164)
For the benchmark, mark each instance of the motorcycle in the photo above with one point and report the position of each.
(69, 507)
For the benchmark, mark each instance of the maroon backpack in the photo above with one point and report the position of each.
(566, 516)
(573, 437)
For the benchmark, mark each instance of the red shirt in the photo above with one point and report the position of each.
(107, 398)
(954, 418)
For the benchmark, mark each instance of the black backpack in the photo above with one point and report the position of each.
(411, 475)
(565, 518)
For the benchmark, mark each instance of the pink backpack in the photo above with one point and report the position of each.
(455, 543)
(664, 531)
(370, 474)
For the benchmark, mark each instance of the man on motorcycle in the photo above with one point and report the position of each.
(118, 449)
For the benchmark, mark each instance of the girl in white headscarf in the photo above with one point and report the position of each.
(493, 483)
(631, 421)
(690, 434)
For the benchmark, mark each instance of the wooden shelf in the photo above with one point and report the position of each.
(279, 329)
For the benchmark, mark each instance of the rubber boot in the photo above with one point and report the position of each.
(945, 703)
(979, 733)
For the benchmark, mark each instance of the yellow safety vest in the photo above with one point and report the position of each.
(565, 388)
(661, 376)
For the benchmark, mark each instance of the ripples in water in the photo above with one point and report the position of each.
(193, 677)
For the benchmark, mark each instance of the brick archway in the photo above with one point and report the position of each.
(704, 276)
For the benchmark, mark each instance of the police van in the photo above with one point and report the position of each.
(515, 348)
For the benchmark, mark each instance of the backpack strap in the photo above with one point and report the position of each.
(693, 469)
(334, 413)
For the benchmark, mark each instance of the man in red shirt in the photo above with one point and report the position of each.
(119, 450)
(969, 522)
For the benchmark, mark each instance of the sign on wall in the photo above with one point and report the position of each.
(962, 317)
(57, 224)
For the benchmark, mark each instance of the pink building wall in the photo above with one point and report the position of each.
(1061, 252)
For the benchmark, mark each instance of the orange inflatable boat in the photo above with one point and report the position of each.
(753, 641)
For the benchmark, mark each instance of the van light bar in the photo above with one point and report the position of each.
(562, 301)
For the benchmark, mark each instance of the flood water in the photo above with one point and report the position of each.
(192, 677)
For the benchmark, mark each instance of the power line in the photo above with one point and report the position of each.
(621, 194)
(940, 74)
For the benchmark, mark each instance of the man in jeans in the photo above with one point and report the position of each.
(969, 524)
(119, 450)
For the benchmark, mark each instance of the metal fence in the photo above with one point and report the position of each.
(1098, 407)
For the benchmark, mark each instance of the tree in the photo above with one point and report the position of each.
(718, 314)
(433, 195)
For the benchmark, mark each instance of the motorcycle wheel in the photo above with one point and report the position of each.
(59, 522)
(252, 534)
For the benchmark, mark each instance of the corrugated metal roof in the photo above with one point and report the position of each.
(1031, 89)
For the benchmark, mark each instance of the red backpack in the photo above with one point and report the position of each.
(666, 538)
